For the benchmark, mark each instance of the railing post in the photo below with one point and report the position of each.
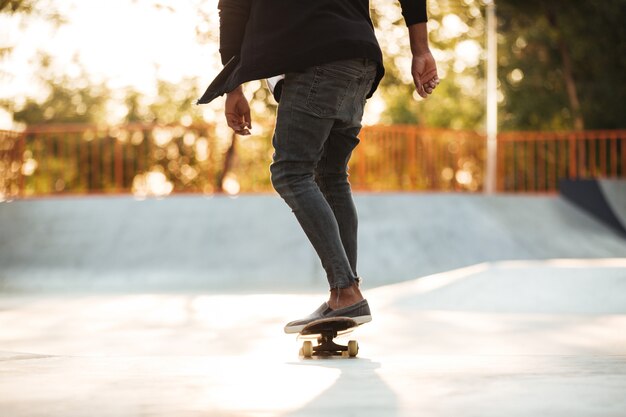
(412, 169)
(500, 177)
(613, 153)
(572, 156)
(119, 168)
(21, 148)
(492, 97)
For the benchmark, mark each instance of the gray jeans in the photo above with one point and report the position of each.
(319, 118)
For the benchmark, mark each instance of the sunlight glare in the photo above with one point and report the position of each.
(162, 136)
(447, 174)
(151, 184)
(29, 166)
(119, 42)
(463, 177)
(453, 26)
(202, 149)
(189, 138)
(468, 52)
(231, 184)
(374, 108)
(516, 76)
(282, 395)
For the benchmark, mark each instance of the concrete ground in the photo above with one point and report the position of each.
(483, 306)
(537, 338)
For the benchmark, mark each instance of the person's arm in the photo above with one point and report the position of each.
(233, 19)
(234, 16)
(237, 111)
(423, 67)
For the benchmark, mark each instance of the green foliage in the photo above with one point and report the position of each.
(65, 104)
(401, 107)
(452, 107)
(458, 102)
(67, 99)
(533, 39)
(173, 103)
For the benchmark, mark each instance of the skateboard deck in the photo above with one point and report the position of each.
(324, 331)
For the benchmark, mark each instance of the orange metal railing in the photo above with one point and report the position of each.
(410, 158)
(407, 158)
(149, 159)
(89, 159)
(79, 159)
(535, 161)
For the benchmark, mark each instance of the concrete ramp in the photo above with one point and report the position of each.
(254, 244)
(614, 191)
(603, 198)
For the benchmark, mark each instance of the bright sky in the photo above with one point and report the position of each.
(127, 43)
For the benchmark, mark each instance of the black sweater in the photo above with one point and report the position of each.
(263, 38)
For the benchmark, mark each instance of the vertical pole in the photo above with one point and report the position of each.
(492, 98)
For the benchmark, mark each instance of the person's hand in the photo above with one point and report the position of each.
(424, 71)
(237, 112)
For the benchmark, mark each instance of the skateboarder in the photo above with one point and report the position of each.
(332, 63)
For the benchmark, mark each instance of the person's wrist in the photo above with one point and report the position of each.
(236, 91)
(418, 35)
(418, 51)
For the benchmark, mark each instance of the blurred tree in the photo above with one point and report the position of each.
(67, 99)
(562, 64)
(174, 103)
(16, 6)
(24, 10)
(456, 30)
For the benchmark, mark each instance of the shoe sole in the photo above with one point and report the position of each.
(297, 329)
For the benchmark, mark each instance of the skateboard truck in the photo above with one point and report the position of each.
(327, 330)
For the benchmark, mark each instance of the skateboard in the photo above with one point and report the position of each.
(324, 331)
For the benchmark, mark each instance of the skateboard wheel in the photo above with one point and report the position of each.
(307, 349)
(353, 348)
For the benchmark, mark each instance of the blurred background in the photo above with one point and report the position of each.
(98, 97)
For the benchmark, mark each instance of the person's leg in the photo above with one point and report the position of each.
(319, 116)
(332, 175)
(302, 128)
